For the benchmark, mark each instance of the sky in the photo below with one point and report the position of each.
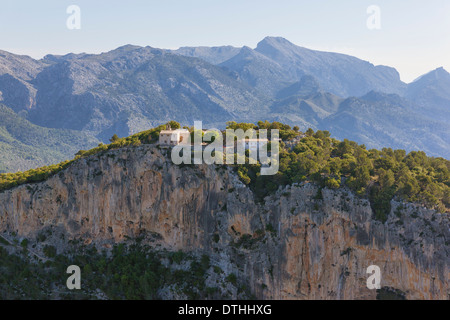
(413, 36)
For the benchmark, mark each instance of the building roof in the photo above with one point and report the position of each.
(174, 131)
(256, 140)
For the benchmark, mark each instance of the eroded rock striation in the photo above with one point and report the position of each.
(300, 243)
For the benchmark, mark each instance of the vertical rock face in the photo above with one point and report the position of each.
(301, 243)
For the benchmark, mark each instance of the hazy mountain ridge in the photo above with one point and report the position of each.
(258, 71)
(282, 61)
(379, 120)
(214, 55)
(337, 73)
(132, 88)
(431, 94)
(129, 89)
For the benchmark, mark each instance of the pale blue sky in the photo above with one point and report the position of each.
(414, 35)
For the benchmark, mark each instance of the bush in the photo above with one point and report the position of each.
(270, 228)
(178, 257)
(332, 183)
(24, 243)
(50, 251)
(231, 278)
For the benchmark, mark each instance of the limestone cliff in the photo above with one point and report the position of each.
(301, 243)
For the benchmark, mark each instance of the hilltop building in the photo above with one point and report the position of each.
(171, 137)
(253, 144)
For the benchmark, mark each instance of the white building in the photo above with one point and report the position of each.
(174, 137)
(254, 145)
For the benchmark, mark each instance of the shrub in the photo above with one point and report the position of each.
(231, 278)
(50, 251)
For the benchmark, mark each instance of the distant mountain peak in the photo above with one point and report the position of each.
(440, 72)
(214, 55)
(127, 47)
(249, 52)
(275, 40)
(268, 44)
(431, 92)
(66, 57)
(436, 74)
(246, 49)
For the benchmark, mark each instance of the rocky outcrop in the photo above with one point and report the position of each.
(301, 243)
(16, 72)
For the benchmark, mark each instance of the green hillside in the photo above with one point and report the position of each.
(377, 175)
(24, 145)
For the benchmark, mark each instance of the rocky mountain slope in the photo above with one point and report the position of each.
(337, 73)
(16, 73)
(214, 55)
(281, 61)
(132, 88)
(24, 145)
(300, 243)
(431, 92)
(379, 120)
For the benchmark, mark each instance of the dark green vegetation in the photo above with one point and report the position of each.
(24, 145)
(10, 180)
(133, 271)
(313, 156)
(387, 293)
(378, 175)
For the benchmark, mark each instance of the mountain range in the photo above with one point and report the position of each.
(129, 89)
